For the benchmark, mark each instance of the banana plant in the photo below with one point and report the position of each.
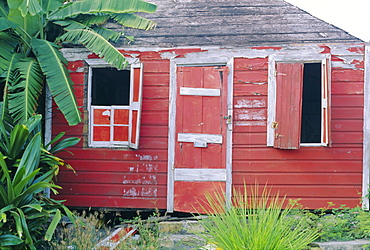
(31, 35)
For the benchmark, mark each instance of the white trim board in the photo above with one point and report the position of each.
(200, 174)
(366, 146)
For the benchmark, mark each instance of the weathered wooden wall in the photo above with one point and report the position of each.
(316, 175)
(119, 178)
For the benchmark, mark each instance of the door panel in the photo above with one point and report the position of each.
(200, 132)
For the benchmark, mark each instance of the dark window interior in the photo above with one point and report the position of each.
(311, 104)
(110, 87)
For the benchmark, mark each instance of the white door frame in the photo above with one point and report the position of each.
(178, 62)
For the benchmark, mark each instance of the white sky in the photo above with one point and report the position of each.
(352, 16)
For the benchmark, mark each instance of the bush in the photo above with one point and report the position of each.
(254, 222)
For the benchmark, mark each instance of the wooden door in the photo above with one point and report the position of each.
(200, 141)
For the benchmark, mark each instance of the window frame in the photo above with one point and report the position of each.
(325, 60)
(133, 107)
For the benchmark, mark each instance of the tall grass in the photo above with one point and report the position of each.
(254, 221)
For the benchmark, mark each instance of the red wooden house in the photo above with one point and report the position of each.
(220, 94)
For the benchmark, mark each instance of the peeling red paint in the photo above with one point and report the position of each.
(73, 66)
(337, 59)
(359, 64)
(326, 49)
(359, 50)
(267, 47)
(182, 52)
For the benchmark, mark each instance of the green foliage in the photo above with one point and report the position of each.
(83, 236)
(27, 217)
(31, 32)
(255, 222)
(148, 232)
(343, 223)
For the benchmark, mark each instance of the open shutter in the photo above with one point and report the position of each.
(289, 86)
(325, 102)
(135, 104)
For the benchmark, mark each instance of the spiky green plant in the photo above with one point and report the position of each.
(254, 221)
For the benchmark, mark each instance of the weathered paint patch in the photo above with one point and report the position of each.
(147, 157)
(144, 167)
(143, 179)
(251, 115)
(246, 103)
(140, 192)
(325, 49)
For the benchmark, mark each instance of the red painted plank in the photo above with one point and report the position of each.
(157, 66)
(299, 178)
(153, 143)
(351, 88)
(155, 105)
(304, 153)
(118, 166)
(151, 155)
(347, 75)
(153, 131)
(154, 118)
(258, 76)
(104, 201)
(297, 166)
(156, 92)
(114, 190)
(79, 90)
(250, 139)
(112, 178)
(156, 79)
(69, 130)
(347, 113)
(250, 89)
(347, 100)
(347, 137)
(347, 125)
(311, 191)
(250, 64)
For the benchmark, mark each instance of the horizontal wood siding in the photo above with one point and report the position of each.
(315, 175)
(120, 178)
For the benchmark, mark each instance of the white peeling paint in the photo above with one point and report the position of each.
(147, 157)
(250, 103)
(251, 115)
(145, 180)
(140, 192)
(168, 55)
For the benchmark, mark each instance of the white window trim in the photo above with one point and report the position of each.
(324, 59)
(99, 63)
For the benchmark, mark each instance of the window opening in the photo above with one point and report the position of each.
(110, 87)
(115, 98)
(311, 104)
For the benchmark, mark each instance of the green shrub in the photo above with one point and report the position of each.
(254, 222)
(27, 217)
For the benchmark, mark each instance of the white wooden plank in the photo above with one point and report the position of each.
(229, 132)
(171, 138)
(366, 154)
(199, 91)
(207, 138)
(200, 174)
